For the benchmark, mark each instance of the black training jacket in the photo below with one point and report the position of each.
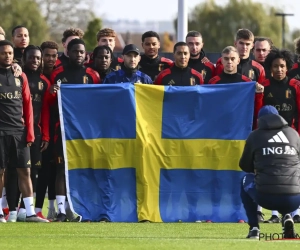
(272, 152)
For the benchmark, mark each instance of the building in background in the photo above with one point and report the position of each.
(123, 26)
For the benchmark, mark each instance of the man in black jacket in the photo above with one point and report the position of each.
(20, 38)
(103, 56)
(262, 47)
(180, 74)
(151, 63)
(271, 161)
(197, 60)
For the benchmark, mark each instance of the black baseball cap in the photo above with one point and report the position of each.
(130, 48)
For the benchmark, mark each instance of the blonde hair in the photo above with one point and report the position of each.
(229, 49)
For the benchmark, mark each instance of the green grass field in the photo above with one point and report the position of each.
(137, 236)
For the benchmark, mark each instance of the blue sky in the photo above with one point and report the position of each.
(163, 10)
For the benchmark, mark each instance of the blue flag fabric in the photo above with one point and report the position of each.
(159, 153)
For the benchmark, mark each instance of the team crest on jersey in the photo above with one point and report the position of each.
(41, 85)
(251, 74)
(18, 82)
(85, 79)
(288, 94)
(160, 67)
(192, 81)
(118, 67)
(203, 73)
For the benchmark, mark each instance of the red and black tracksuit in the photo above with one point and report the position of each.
(38, 85)
(74, 74)
(295, 71)
(228, 78)
(16, 128)
(103, 74)
(68, 74)
(16, 113)
(62, 60)
(268, 73)
(284, 95)
(47, 174)
(153, 66)
(246, 67)
(179, 77)
(115, 64)
(18, 54)
(207, 69)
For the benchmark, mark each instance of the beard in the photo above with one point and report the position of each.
(195, 55)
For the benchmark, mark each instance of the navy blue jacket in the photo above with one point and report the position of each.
(124, 75)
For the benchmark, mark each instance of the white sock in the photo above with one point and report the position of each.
(51, 204)
(37, 210)
(22, 210)
(1, 212)
(296, 212)
(4, 201)
(28, 202)
(275, 213)
(259, 208)
(67, 205)
(60, 200)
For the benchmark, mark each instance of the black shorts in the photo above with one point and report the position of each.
(58, 149)
(13, 149)
(35, 152)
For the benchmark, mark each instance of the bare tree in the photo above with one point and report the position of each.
(61, 14)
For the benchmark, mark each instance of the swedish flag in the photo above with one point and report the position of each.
(158, 153)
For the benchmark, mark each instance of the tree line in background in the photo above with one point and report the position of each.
(218, 24)
(47, 19)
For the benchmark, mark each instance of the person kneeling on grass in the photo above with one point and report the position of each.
(271, 161)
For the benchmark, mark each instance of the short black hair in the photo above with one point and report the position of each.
(5, 43)
(193, 33)
(15, 28)
(49, 45)
(27, 49)
(30, 47)
(179, 44)
(150, 34)
(74, 42)
(102, 47)
(284, 54)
